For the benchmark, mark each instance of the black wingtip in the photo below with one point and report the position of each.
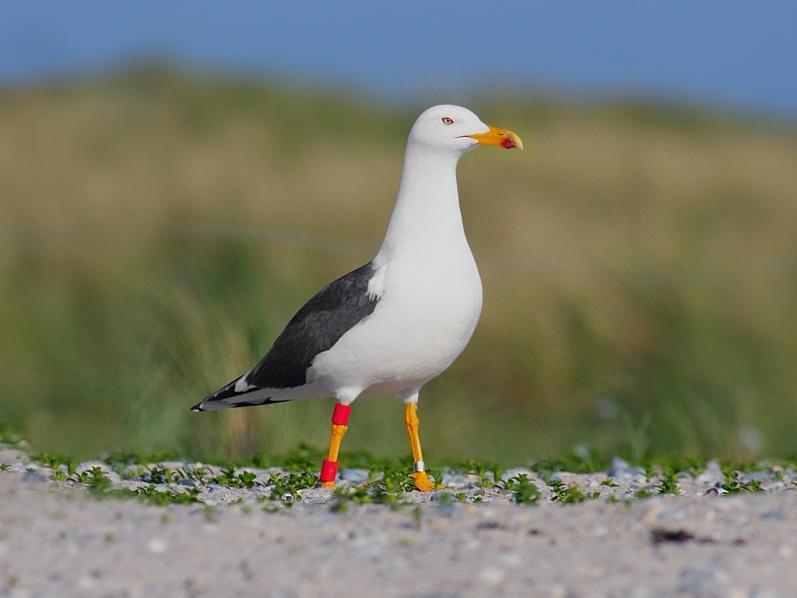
(197, 408)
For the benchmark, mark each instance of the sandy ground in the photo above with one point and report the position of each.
(57, 540)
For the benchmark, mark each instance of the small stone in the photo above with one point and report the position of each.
(491, 576)
(516, 471)
(671, 514)
(595, 480)
(451, 510)
(695, 580)
(368, 549)
(34, 477)
(315, 495)
(86, 582)
(712, 476)
(88, 465)
(170, 465)
(716, 489)
(758, 476)
(456, 481)
(157, 545)
(354, 475)
(652, 513)
(623, 470)
(775, 515)
(511, 558)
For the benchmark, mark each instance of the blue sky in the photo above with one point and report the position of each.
(735, 54)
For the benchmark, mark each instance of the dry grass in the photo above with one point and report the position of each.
(639, 267)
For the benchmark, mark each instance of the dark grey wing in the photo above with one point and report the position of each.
(315, 328)
(334, 310)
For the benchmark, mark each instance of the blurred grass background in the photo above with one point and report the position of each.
(157, 230)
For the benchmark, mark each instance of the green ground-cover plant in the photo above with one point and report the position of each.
(388, 481)
(159, 497)
(567, 495)
(94, 479)
(734, 485)
(669, 484)
(161, 475)
(230, 477)
(63, 467)
(523, 490)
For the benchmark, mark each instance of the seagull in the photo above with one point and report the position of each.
(397, 322)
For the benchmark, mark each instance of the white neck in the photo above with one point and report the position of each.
(426, 215)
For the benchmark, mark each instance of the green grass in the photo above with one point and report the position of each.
(669, 485)
(389, 480)
(157, 230)
(158, 497)
(567, 495)
(95, 479)
(523, 491)
(733, 485)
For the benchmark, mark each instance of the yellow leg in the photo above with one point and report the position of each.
(413, 424)
(329, 468)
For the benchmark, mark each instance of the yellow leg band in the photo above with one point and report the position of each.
(330, 466)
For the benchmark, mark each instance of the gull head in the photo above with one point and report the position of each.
(458, 130)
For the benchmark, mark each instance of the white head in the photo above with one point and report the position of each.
(456, 129)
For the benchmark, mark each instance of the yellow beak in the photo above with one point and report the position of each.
(501, 137)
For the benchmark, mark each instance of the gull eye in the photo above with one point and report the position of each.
(447, 120)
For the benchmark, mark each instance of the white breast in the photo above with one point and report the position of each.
(427, 313)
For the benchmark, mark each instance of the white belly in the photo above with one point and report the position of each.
(423, 321)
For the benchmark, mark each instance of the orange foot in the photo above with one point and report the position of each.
(424, 483)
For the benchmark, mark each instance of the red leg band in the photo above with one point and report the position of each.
(329, 470)
(341, 414)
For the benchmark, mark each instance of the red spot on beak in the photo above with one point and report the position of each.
(501, 137)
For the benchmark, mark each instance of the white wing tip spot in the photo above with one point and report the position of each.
(242, 385)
